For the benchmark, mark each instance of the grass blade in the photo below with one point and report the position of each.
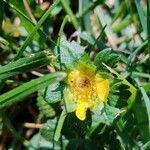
(148, 24)
(103, 20)
(147, 87)
(127, 21)
(27, 23)
(141, 15)
(70, 13)
(90, 7)
(23, 65)
(31, 35)
(60, 125)
(120, 11)
(146, 100)
(141, 118)
(65, 20)
(26, 89)
(1, 14)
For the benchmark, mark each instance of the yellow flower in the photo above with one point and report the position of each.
(87, 87)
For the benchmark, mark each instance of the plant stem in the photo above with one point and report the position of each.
(61, 29)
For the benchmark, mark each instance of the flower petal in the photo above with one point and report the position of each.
(81, 111)
(102, 89)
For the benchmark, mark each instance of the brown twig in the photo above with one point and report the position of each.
(27, 7)
(32, 125)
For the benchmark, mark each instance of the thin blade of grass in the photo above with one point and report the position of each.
(123, 133)
(147, 87)
(38, 25)
(70, 13)
(141, 15)
(65, 20)
(148, 24)
(127, 21)
(140, 74)
(120, 11)
(18, 93)
(1, 15)
(23, 65)
(90, 7)
(28, 24)
(146, 146)
(146, 100)
(103, 20)
(141, 118)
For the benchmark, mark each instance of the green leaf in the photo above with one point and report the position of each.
(120, 124)
(132, 89)
(70, 52)
(89, 7)
(106, 56)
(45, 108)
(111, 113)
(48, 129)
(114, 93)
(47, 133)
(104, 114)
(119, 94)
(38, 142)
(24, 64)
(92, 40)
(87, 37)
(38, 12)
(53, 93)
(65, 20)
(18, 93)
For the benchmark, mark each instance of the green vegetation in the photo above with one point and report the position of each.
(75, 74)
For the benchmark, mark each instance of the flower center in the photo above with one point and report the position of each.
(82, 86)
(83, 89)
(83, 82)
